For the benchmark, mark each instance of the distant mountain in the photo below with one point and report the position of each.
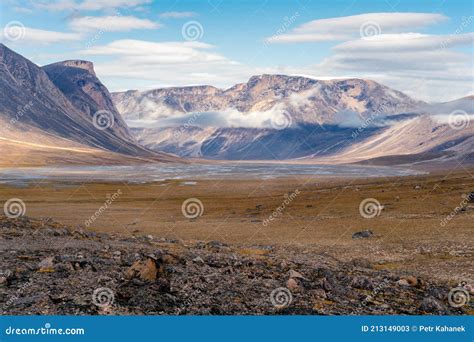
(414, 140)
(305, 100)
(465, 104)
(58, 105)
(269, 117)
(334, 121)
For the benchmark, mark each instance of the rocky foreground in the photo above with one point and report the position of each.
(48, 268)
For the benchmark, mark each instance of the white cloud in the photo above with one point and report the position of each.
(165, 64)
(423, 66)
(87, 5)
(20, 35)
(405, 42)
(20, 9)
(229, 117)
(177, 15)
(111, 23)
(344, 28)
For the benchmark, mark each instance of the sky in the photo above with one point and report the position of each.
(423, 48)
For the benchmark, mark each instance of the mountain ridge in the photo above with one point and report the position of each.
(33, 103)
(306, 100)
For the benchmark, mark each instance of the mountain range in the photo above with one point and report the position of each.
(279, 117)
(62, 113)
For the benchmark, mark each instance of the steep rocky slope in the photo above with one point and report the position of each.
(32, 102)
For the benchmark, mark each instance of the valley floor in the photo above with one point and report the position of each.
(230, 259)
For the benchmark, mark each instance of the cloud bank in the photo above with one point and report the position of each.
(344, 28)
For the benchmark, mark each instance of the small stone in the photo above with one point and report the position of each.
(143, 269)
(198, 260)
(361, 262)
(469, 288)
(296, 275)
(430, 304)
(319, 293)
(470, 197)
(362, 283)
(408, 280)
(417, 187)
(46, 265)
(363, 234)
(292, 284)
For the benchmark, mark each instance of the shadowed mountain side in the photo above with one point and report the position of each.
(30, 100)
(77, 81)
(418, 139)
(31, 146)
(250, 143)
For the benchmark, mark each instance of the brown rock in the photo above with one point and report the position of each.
(143, 269)
(46, 265)
(292, 284)
(319, 293)
(296, 275)
(402, 282)
(362, 283)
(408, 280)
(430, 304)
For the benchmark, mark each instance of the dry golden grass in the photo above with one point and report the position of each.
(322, 217)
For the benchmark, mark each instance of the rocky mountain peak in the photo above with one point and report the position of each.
(77, 63)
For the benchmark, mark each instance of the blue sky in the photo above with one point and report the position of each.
(423, 48)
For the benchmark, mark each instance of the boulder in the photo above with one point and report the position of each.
(145, 270)
(430, 304)
(363, 234)
(296, 275)
(362, 283)
(46, 265)
(408, 281)
(292, 284)
(470, 197)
